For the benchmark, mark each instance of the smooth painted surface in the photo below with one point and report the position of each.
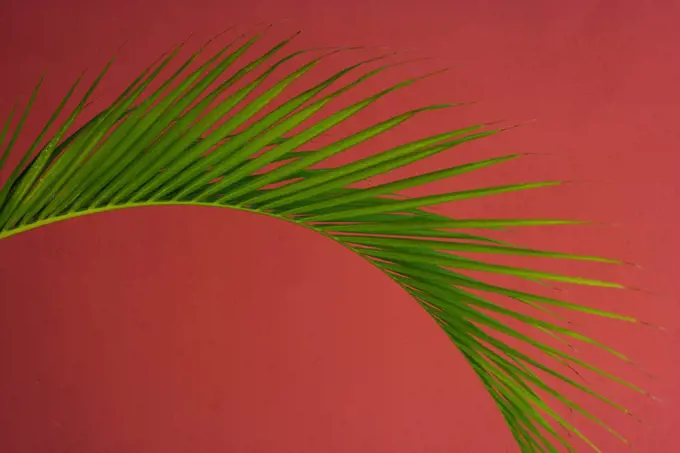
(158, 331)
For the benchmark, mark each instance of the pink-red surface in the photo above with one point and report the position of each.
(173, 330)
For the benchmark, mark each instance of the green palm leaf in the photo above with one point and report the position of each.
(243, 145)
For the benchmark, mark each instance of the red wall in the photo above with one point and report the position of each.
(158, 331)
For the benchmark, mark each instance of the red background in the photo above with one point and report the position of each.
(193, 330)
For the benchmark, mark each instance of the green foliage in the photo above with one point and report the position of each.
(196, 140)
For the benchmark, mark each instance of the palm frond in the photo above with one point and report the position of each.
(243, 144)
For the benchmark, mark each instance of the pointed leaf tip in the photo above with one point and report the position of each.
(516, 125)
(121, 47)
(631, 263)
